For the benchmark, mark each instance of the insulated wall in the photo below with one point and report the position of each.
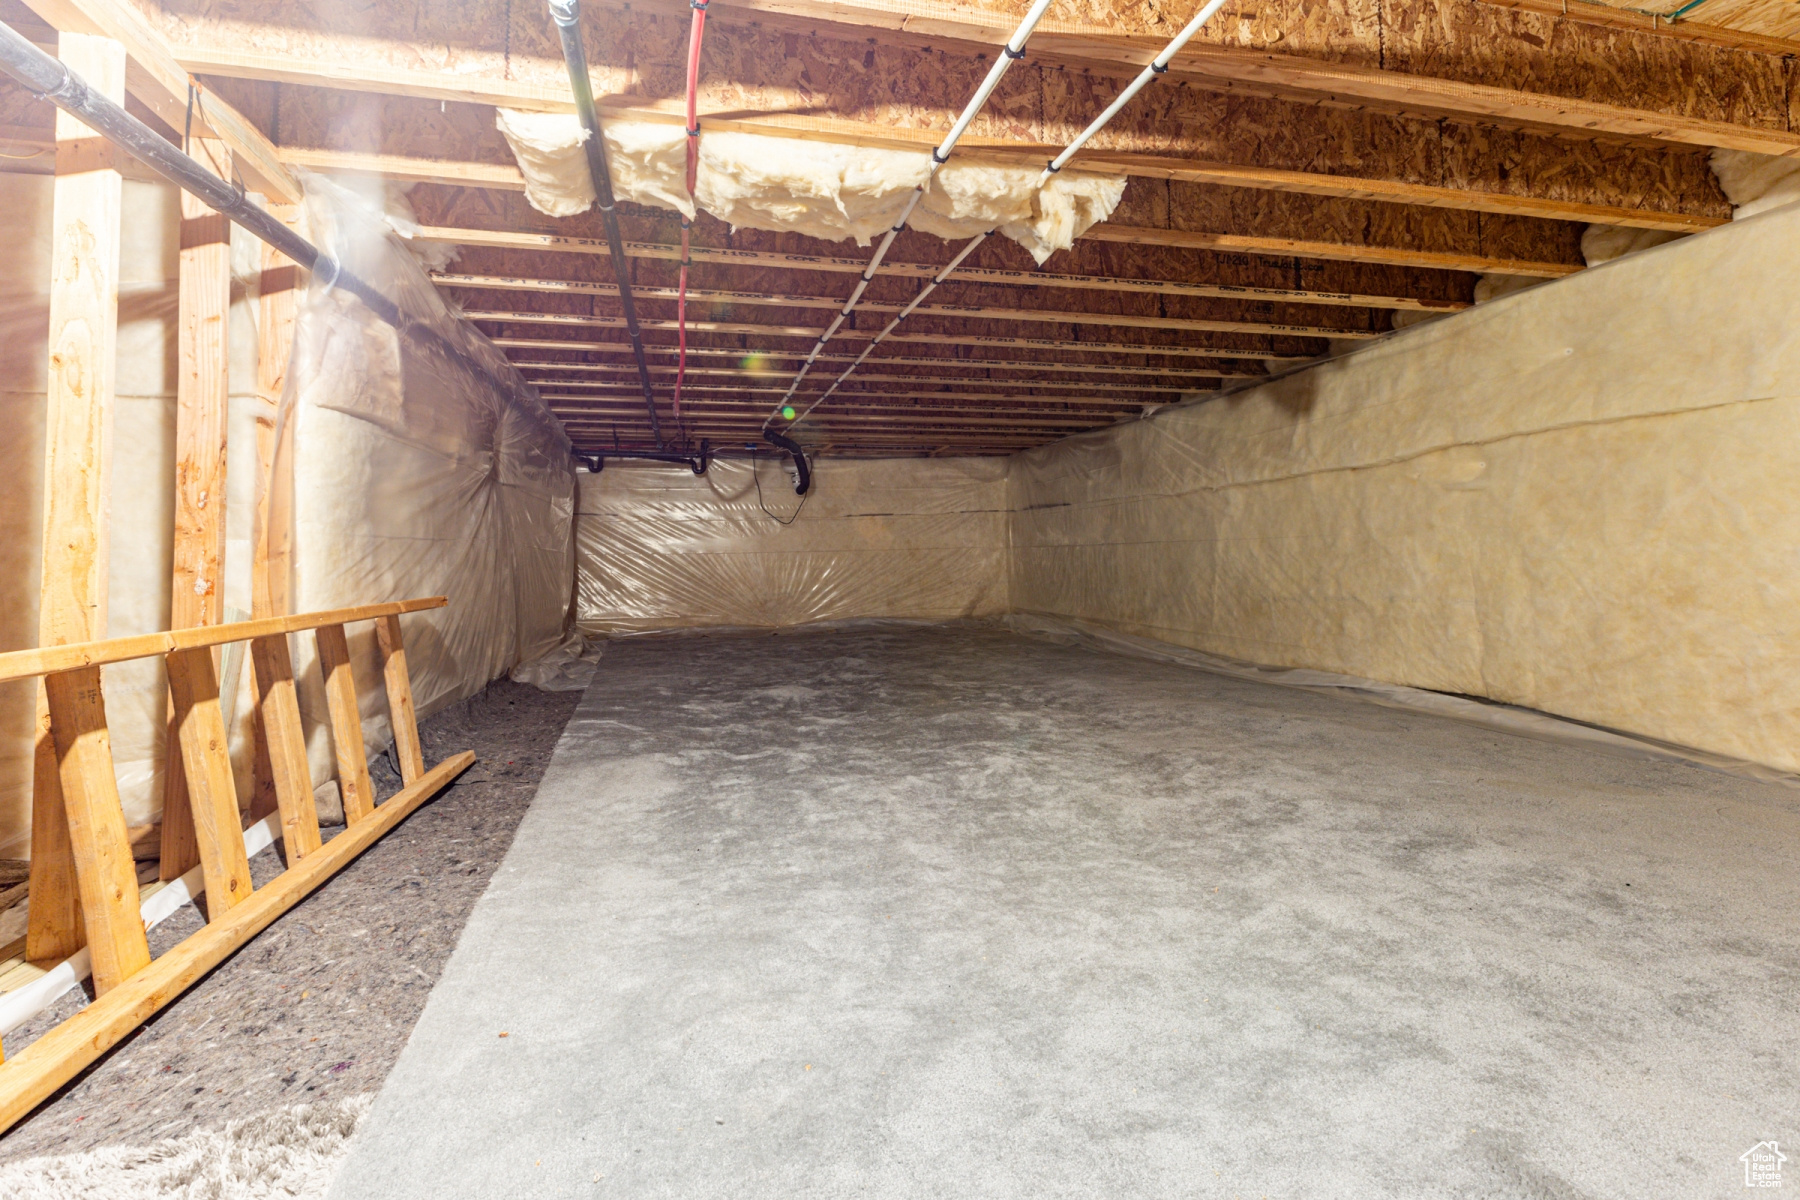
(410, 477)
(659, 547)
(1579, 498)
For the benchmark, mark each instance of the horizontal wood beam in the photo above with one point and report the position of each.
(45, 660)
(861, 377)
(51, 1061)
(507, 178)
(1264, 73)
(926, 339)
(1034, 365)
(161, 83)
(986, 312)
(506, 240)
(435, 86)
(724, 395)
(1634, 19)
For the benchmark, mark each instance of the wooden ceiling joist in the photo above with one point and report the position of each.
(986, 312)
(705, 373)
(724, 256)
(1037, 366)
(512, 341)
(159, 82)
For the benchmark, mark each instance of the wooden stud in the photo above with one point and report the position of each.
(104, 869)
(202, 394)
(400, 698)
(270, 539)
(211, 791)
(346, 724)
(84, 313)
(278, 711)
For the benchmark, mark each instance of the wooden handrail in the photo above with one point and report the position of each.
(26, 664)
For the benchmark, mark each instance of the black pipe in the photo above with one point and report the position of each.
(567, 15)
(697, 463)
(52, 80)
(804, 476)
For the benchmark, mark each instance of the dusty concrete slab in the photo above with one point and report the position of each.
(953, 913)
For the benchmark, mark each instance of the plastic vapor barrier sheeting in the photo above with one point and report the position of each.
(414, 476)
(659, 547)
(1577, 499)
(411, 478)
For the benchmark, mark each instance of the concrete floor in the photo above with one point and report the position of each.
(947, 912)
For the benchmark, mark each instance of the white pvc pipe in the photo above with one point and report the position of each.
(1158, 66)
(22, 1004)
(1009, 54)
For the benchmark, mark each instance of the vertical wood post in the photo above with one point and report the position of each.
(291, 779)
(201, 741)
(202, 393)
(400, 698)
(276, 304)
(84, 321)
(102, 849)
(346, 724)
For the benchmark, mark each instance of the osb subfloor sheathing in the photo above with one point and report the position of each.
(314, 1010)
(947, 912)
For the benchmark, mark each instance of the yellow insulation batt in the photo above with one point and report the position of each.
(826, 190)
(1579, 498)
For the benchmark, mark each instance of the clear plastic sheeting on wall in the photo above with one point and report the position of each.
(659, 547)
(1577, 499)
(415, 476)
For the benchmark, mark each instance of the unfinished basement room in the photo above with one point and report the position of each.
(801, 599)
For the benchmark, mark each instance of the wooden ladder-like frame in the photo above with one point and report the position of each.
(129, 985)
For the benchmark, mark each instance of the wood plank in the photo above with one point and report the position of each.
(1636, 20)
(1056, 42)
(211, 791)
(278, 710)
(881, 360)
(104, 869)
(161, 84)
(23, 664)
(405, 721)
(1393, 256)
(201, 397)
(560, 243)
(1115, 389)
(346, 724)
(84, 314)
(271, 533)
(57, 1057)
(921, 339)
(985, 312)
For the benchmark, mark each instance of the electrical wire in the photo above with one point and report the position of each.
(1157, 66)
(756, 474)
(1010, 53)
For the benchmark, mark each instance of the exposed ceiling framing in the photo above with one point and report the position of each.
(1304, 172)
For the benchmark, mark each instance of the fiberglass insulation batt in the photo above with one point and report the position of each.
(825, 190)
(1580, 498)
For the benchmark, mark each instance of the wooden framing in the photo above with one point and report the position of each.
(986, 312)
(84, 315)
(202, 393)
(1035, 366)
(130, 986)
(501, 240)
(808, 333)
